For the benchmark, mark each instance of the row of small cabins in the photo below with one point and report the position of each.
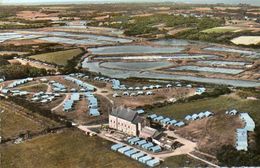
(168, 121)
(58, 87)
(92, 100)
(75, 97)
(137, 155)
(19, 82)
(241, 133)
(139, 93)
(116, 85)
(14, 92)
(68, 104)
(165, 120)
(92, 104)
(144, 144)
(43, 97)
(200, 115)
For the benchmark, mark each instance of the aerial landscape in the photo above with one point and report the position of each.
(134, 84)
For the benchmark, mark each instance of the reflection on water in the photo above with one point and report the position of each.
(224, 63)
(207, 69)
(232, 50)
(134, 49)
(158, 57)
(135, 65)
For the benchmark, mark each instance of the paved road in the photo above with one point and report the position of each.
(186, 149)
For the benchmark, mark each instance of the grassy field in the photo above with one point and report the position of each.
(71, 148)
(182, 161)
(221, 30)
(216, 105)
(67, 149)
(59, 58)
(14, 122)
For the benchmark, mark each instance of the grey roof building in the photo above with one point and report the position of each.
(126, 120)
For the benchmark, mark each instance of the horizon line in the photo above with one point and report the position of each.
(84, 2)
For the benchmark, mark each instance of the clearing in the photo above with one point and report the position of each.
(222, 29)
(246, 40)
(59, 58)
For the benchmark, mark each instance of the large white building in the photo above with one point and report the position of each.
(126, 120)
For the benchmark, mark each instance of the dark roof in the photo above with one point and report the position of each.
(138, 119)
(126, 114)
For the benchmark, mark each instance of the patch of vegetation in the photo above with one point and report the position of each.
(142, 24)
(182, 161)
(218, 91)
(31, 49)
(3, 62)
(70, 148)
(36, 109)
(35, 87)
(17, 121)
(214, 37)
(220, 30)
(58, 58)
(244, 93)
(21, 71)
(12, 124)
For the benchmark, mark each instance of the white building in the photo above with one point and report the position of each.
(126, 120)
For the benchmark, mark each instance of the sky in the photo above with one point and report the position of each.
(28, 2)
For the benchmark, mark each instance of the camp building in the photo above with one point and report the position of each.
(126, 120)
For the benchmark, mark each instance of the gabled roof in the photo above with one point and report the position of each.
(126, 114)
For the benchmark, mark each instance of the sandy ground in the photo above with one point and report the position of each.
(24, 42)
(12, 52)
(35, 15)
(160, 95)
(246, 40)
(212, 132)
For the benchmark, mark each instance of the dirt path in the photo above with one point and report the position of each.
(36, 64)
(105, 93)
(203, 160)
(49, 89)
(65, 99)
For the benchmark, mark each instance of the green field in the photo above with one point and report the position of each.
(59, 58)
(216, 105)
(72, 148)
(13, 122)
(182, 161)
(220, 30)
(68, 149)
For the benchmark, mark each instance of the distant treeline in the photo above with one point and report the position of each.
(225, 38)
(21, 71)
(147, 24)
